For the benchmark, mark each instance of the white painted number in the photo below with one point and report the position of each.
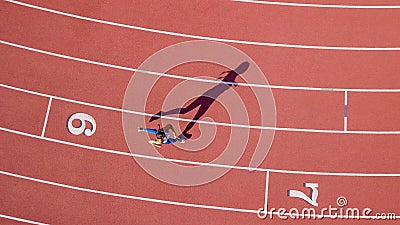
(82, 117)
(310, 200)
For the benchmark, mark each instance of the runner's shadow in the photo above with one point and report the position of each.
(206, 99)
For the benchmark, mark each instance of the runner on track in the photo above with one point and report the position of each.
(165, 135)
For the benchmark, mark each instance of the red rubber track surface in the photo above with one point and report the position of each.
(76, 161)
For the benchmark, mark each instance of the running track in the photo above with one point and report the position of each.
(59, 58)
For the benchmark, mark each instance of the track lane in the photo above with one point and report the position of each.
(252, 22)
(110, 136)
(286, 154)
(55, 80)
(121, 174)
(84, 207)
(333, 152)
(22, 111)
(282, 66)
(380, 111)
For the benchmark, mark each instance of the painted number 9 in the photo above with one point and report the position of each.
(82, 117)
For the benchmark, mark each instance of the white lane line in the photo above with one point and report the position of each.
(197, 163)
(266, 191)
(204, 37)
(21, 220)
(127, 196)
(320, 5)
(193, 78)
(203, 121)
(47, 117)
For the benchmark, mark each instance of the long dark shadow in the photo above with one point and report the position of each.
(206, 99)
